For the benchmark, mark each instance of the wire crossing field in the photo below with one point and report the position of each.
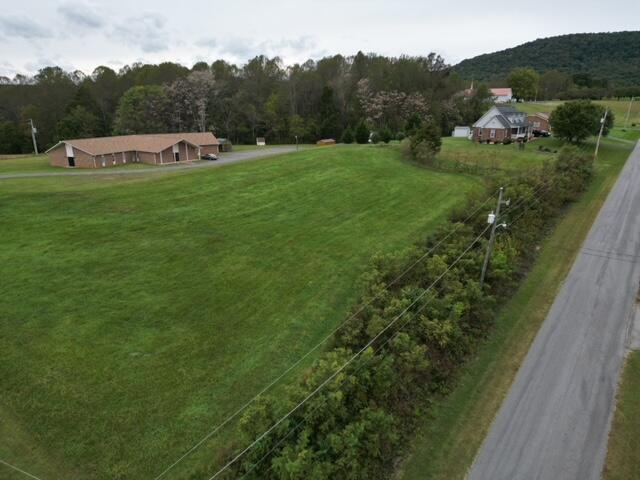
(138, 310)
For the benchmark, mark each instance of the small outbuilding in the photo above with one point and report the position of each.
(461, 132)
(225, 145)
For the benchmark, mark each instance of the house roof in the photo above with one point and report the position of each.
(153, 143)
(501, 92)
(542, 115)
(509, 117)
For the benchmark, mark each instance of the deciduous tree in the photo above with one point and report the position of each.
(142, 109)
(524, 83)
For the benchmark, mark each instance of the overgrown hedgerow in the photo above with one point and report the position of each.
(355, 427)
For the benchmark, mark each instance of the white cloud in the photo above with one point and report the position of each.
(83, 15)
(243, 48)
(21, 26)
(146, 31)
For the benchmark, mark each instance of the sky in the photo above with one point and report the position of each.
(83, 34)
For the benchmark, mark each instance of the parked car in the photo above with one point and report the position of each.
(541, 133)
(209, 156)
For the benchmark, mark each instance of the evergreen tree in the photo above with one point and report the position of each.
(362, 133)
(426, 142)
(347, 135)
(385, 135)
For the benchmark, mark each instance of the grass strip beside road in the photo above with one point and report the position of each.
(457, 424)
(623, 461)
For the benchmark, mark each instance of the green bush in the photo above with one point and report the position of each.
(347, 136)
(362, 133)
(426, 142)
(385, 135)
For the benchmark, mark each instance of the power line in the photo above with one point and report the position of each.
(351, 359)
(324, 340)
(376, 349)
(19, 470)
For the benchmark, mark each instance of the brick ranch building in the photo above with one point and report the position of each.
(156, 149)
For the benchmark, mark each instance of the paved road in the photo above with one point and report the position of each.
(225, 159)
(555, 420)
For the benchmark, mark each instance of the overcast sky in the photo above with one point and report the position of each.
(82, 34)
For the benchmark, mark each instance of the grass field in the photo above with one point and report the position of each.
(139, 310)
(498, 156)
(623, 459)
(457, 424)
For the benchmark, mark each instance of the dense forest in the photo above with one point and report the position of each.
(609, 58)
(329, 98)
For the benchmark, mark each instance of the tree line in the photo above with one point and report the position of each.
(335, 97)
(528, 84)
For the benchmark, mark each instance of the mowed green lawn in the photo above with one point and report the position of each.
(137, 311)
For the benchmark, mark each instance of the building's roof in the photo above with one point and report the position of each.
(501, 92)
(153, 143)
(542, 115)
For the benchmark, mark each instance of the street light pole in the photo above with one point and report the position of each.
(33, 136)
(493, 220)
(603, 120)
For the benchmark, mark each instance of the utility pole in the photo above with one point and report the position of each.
(602, 122)
(493, 220)
(626, 120)
(33, 136)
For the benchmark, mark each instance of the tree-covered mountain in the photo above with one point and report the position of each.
(614, 57)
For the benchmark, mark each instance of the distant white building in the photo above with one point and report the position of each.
(501, 95)
(461, 132)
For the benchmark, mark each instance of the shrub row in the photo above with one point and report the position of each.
(356, 425)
